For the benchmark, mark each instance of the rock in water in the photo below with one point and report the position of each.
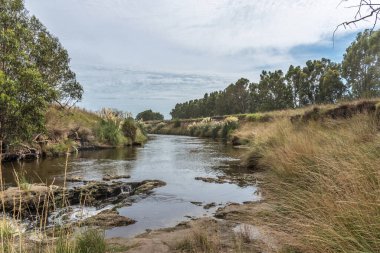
(110, 177)
(38, 197)
(108, 219)
(148, 185)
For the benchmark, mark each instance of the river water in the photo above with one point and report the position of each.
(177, 160)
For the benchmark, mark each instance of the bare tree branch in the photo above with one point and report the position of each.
(366, 9)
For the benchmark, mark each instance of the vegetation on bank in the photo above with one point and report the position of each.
(321, 171)
(323, 179)
(318, 82)
(73, 129)
(206, 127)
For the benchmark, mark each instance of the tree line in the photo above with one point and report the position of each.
(317, 82)
(34, 72)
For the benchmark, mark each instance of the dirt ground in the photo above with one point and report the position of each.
(235, 228)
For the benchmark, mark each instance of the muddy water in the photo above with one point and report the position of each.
(176, 160)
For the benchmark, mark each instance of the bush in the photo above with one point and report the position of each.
(129, 128)
(177, 123)
(230, 124)
(109, 132)
(62, 147)
(215, 131)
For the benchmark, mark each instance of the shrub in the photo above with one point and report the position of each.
(215, 130)
(61, 147)
(229, 124)
(129, 128)
(109, 132)
(177, 123)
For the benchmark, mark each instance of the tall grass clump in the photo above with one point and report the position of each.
(8, 232)
(118, 128)
(91, 241)
(324, 177)
(199, 242)
(213, 129)
(64, 244)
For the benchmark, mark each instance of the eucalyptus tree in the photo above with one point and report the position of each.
(361, 65)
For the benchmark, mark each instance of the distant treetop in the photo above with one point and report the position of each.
(149, 115)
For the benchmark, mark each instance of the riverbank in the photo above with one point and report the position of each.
(72, 130)
(319, 178)
(316, 170)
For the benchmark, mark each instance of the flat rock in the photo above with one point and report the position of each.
(108, 219)
(210, 205)
(33, 198)
(148, 185)
(211, 180)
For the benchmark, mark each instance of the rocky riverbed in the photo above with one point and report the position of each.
(34, 202)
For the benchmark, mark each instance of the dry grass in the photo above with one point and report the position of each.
(199, 242)
(63, 119)
(325, 179)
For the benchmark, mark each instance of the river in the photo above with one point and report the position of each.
(177, 160)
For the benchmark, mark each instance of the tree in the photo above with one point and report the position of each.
(272, 92)
(361, 65)
(53, 63)
(23, 93)
(296, 78)
(32, 74)
(236, 97)
(318, 82)
(149, 115)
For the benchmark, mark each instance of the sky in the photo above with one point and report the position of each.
(135, 55)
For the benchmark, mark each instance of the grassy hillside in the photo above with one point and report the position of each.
(80, 129)
(320, 170)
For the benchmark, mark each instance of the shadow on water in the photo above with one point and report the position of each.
(51, 170)
(177, 160)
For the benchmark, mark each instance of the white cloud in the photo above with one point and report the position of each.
(225, 26)
(224, 38)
